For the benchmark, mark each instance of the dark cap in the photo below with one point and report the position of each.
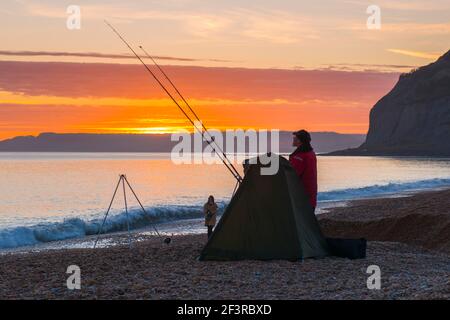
(303, 136)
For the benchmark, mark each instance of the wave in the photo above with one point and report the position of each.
(384, 189)
(77, 228)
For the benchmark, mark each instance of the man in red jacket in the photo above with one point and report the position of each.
(304, 161)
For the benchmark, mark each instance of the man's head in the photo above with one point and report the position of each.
(301, 137)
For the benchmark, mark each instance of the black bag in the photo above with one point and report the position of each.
(347, 248)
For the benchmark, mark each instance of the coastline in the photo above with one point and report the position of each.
(415, 263)
(186, 225)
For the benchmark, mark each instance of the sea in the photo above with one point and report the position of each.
(48, 197)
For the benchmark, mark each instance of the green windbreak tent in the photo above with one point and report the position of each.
(269, 217)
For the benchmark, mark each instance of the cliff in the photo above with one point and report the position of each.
(414, 118)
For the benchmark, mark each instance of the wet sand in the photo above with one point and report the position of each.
(409, 241)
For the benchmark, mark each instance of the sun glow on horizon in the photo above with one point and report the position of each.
(149, 130)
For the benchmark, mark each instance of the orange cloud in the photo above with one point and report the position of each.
(70, 97)
(130, 57)
(416, 54)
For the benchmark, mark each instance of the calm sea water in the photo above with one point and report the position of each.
(54, 196)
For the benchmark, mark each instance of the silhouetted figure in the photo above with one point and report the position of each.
(210, 212)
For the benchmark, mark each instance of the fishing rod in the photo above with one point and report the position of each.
(233, 170)
(192, 110)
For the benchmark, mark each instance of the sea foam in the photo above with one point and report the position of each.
(71, 228)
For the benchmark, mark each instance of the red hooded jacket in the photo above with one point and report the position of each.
(305, 164)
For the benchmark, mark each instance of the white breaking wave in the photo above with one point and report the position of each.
(377, 190)
(77, 227)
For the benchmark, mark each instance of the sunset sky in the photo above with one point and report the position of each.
(243, 64)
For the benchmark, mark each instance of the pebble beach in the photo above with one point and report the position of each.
(409, 239)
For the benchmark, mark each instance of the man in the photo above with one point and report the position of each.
(304, 161)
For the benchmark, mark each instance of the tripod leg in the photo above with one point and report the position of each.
(126, 211)
(107, 212)
(142, 207)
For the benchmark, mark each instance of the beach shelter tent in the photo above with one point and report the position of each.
(269, 217)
